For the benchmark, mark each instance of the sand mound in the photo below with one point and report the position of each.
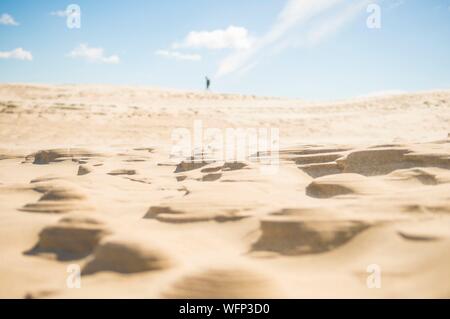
(71, 238)
(59, 197)
(204, 171)
(223, 203)
(189, 165)
(58, 193)
(316, 158)
(171, 215)
(10, 154)
(50, 183)
(343, 184)
(180, 215)
(321, 169)
(292, 153)
(211, 177)
(233, 166)
(125, 255)
(426, 158)
(118, 172)
(316, 161)
(84, 170)
(58, 155)
(144, 149)
(425, 231)
(372, 162)
(215, 283)
(382, 161)
(291, 235)
(46, 178)
(54, 207)
(420, 176)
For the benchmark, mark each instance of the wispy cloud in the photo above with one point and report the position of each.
(329, 26)
(18, 54)
(230, 38)
(294, 13)
(96, 55)
(7, 19)
(178, 55)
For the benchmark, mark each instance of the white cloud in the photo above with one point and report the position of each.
(19, 54)
(6, 19)
(293, 14)
(230, 38)
(83, 51)
(178, 55)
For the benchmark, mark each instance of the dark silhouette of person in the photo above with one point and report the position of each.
(208, 83)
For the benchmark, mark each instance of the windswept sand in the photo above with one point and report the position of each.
(85, 179)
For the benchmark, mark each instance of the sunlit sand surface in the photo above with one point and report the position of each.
(86, 179)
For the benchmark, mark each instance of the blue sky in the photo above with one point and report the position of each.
(311, 49)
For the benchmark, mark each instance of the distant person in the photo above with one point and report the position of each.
(208, 83)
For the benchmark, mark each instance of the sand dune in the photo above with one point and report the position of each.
(86, 179)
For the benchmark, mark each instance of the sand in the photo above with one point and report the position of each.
(87, 183)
